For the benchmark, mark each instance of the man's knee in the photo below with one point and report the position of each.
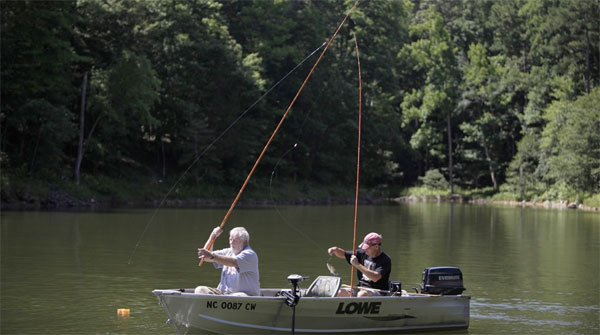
(364, 293)
(239, 294)
(343, 292)
(201, 290)
(206, 290)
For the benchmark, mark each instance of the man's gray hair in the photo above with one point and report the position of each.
(242, 233)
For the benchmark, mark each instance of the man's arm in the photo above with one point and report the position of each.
(215, 257)
(338, 252)
(225, 260)
(370, 274)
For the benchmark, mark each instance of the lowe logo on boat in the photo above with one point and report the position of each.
(358, 308)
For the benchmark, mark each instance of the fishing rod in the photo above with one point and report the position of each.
(211, 240)
(213, 143)
(357, 158)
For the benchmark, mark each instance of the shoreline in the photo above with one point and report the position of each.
(61, 201)
(562, 204)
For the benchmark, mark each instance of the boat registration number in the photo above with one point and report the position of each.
(231, 305)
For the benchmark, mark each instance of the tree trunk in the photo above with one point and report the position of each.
(521, 182)
(450, 165)
(164, 164)
(490, 166)
(81, 128)
(587, 61)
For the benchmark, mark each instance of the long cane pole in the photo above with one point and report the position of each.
(211, 240)
(357, 160)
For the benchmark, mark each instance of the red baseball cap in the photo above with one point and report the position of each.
(369, 240)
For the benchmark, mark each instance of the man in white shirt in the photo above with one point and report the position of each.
(239, 263)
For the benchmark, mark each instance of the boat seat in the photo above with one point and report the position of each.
(324, 286)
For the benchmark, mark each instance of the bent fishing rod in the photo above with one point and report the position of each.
(211, 144)
(357, 159)
(211, 240)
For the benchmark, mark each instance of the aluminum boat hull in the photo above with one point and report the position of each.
(192, 313)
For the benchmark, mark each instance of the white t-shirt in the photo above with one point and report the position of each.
(244, 277)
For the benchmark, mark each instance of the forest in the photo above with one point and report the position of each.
(132, 99)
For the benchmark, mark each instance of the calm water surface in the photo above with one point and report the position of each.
(528, 270)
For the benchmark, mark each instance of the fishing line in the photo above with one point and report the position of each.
(211, 240)
(330, 267)
(285, 221)
(212, 143)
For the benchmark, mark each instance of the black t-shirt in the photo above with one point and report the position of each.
(381, 264)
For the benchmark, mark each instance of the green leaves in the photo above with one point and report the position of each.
(429, 107)
(506, 89)
(49, 128)
(133, 88)
(37, 56)
(572, 139)
(434, 180)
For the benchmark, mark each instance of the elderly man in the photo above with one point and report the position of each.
(239, 263)
(373, 266)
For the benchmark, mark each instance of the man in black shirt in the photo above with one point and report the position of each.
(372, 264)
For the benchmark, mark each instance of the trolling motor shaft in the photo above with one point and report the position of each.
(292, 297)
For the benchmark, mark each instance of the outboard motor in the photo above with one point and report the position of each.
(444, 280)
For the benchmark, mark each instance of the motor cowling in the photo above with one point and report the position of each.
(444, 280)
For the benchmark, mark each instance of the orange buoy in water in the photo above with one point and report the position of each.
(123, 312)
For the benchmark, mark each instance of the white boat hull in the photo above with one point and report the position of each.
(193, 313)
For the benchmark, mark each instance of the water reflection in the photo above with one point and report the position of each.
(528, 270)
(524, 313)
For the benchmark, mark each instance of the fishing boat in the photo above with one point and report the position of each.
(439, 306)
(317, 309)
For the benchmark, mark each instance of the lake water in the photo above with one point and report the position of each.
(528, 270)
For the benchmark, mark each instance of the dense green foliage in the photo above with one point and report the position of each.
(492, 93)
(434, 180)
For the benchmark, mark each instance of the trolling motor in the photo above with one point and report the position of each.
(292, 297)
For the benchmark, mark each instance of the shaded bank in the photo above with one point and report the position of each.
(70, 203)
(58, 199)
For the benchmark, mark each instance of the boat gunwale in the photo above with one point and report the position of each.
(160, 292)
